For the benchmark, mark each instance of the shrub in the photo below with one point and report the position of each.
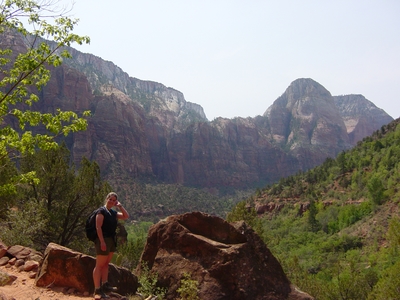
(148, 283)
(188, 288)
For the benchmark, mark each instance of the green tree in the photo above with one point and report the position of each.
(341, 160)
(244, 212)
(22, 225)
(388, 286)
(393, 237)
(52, 190)
(62, 197)
(129, 253)
(23, 74)
(376, 190)
(88, 193)
(312, 213)
(8, 173)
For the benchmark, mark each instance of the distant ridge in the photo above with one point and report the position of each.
(144, 131)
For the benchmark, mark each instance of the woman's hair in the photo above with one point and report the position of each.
(110, 195)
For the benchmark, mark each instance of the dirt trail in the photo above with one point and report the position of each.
(24, 288)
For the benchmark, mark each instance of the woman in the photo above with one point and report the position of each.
(106, 226)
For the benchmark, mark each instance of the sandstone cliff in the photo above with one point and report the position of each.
(142, 130)
(306, 122)
(360, 116)
(166, 104)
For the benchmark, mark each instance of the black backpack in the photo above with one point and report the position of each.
(90, 226)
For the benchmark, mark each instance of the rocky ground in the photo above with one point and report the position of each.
(24, 288)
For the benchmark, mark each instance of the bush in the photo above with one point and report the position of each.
(129, 253)
(148, 283)
(388, 285)
(188, 288)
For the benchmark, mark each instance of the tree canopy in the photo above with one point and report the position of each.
(335, 228)
(53, 208)
(46, 31)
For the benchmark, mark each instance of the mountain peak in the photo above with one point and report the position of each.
(306, 116)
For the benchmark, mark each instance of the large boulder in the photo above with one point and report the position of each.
(66, 268)
(229, 261)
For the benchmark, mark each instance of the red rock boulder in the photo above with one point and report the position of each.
(66, 268)
(229, 261)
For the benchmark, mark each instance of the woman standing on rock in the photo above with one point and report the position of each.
(105, 243)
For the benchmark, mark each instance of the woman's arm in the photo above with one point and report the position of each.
(99, 223)
(122, 214)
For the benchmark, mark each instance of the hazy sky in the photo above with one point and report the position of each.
(235, 58)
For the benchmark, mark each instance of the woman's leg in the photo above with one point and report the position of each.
(101, 264)
(104, 270)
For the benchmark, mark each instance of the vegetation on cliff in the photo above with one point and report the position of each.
(345, 244)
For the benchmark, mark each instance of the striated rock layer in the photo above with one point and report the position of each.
(360, 116)
(144, 130)
(306, 121)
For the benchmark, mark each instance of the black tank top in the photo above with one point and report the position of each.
(110, 222)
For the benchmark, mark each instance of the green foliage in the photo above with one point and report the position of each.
(130, 252)
(369, 170)
(244, 212)
(388, 285)
(318, 262)
(163, 200)
(25, 73)
(312, 213)
(8, 183)
(188, 288)
(376, 189)
(23, 224)
(334, 218)
(59, 201)
(393, 234)
(346, 245)
(148, 283)
(348, 282)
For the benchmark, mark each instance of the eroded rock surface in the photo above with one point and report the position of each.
(229, 261)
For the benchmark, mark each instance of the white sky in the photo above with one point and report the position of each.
(235, 58)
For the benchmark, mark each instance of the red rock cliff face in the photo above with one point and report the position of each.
(360, 116)
(116, 136)
(143, 129)
(226, 153)
(122, 138)
(297, 132)
(306, 121)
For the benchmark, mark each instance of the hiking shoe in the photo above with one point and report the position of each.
(99, 294)
(107, 287)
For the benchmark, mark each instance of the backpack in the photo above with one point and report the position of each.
(90, 226)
